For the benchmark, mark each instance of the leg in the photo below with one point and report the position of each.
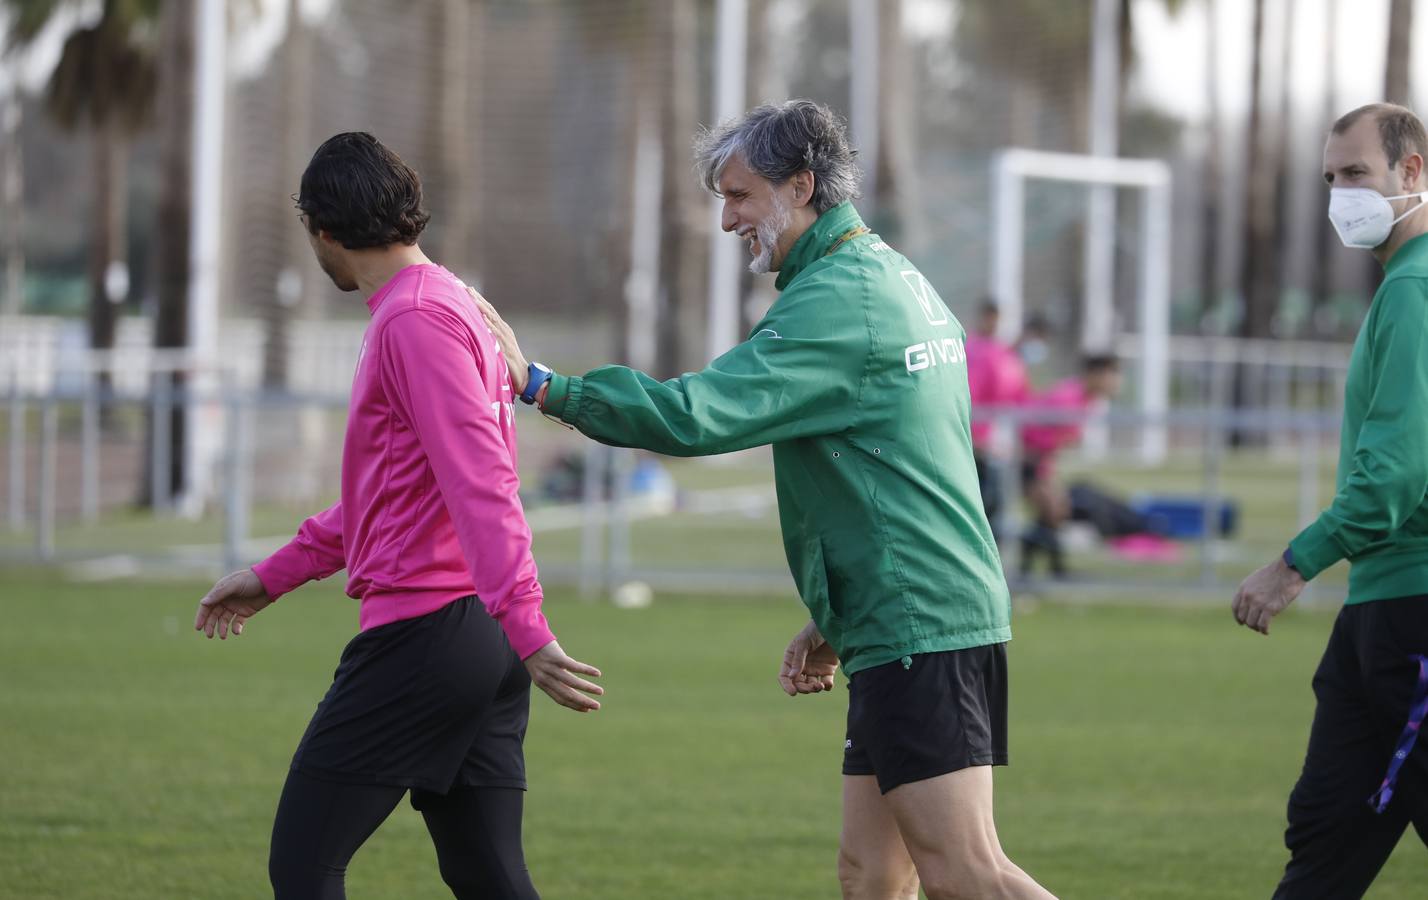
(946, 824)
(1337, 844)
(477, 833)
(1050, 505)
(319, 825)
(872, 862)
(989, 480)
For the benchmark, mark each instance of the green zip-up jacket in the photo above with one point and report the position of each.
(1378, 520)
(857, 377)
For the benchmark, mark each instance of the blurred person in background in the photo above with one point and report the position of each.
(996, 377)
(431, 697)
(1365, 774)
(1033, 345)
(1070, 401)
(856, 377)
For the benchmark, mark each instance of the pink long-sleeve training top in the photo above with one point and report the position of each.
(996, 376)
(429, 510)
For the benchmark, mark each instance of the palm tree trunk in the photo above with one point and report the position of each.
(681, 263)
(175, 214)
(455, 149)
(1283, 155)
(1400, 49)
(107, 234)
(1258, 275)
(12, 201)
(1257, 272)
(1321, 283)
(1210, 190)
(896, 163)
(108, 238)
(284, 302)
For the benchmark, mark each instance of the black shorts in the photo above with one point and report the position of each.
(426, 703)
(927, 715)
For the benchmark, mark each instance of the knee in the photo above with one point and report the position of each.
(294, 877)
(479, 882)
(863, 880)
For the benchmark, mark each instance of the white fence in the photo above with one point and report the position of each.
(41, 355)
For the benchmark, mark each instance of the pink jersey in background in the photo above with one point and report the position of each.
(996, 376)
(1041, 440)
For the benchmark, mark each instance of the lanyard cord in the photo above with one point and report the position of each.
(1416, 714)
(847, 236)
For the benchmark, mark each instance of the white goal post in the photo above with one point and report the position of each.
(1010, 171)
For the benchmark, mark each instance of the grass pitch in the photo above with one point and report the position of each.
(1152, 751)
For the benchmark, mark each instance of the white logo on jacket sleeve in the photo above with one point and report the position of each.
(932, 306)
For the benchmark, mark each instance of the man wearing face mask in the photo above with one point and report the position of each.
(1365, 776)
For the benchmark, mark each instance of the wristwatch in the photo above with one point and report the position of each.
(536, 377)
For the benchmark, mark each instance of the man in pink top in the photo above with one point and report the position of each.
(996, 377)
(431, 696)
(1068, 401)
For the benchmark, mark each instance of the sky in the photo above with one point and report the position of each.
(1175, 48)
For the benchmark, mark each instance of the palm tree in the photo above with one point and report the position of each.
(104, 84)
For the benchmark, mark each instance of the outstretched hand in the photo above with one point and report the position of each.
(231, 602)
(808, 663)
(506, 338)
(556, 674)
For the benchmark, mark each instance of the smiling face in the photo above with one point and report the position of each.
(770, 217)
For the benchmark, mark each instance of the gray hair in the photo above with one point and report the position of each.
(777, 141)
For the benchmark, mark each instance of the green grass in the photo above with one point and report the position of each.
(1153, 750)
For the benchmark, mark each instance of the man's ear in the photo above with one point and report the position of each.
(803, 188)
(1413, 170)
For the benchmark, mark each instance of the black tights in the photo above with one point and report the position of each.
(320, 824)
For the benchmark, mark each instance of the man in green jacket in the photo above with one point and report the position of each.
(1365, 775)
(857, 377)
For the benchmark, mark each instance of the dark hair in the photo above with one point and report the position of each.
(989, 307)
(1400, 131)
(777, 142)
(1100, 362)
(361, 193)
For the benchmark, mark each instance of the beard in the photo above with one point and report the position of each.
(768, 232)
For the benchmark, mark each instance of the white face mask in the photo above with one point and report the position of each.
(1363, 217)
(1034, 352)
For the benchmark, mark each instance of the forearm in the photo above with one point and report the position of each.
(622, 407)
(314, 553)
(1364, 512)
